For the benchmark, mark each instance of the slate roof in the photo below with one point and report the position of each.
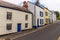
(12, 6)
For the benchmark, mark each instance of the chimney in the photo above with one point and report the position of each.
(37, 0)
(25, 5)
(37, 3)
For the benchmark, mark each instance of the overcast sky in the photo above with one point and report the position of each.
(51, 4)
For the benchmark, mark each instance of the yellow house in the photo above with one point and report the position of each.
(46, 16)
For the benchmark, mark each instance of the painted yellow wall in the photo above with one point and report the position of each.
(45, 10)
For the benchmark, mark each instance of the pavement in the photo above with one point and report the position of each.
(24, 34)
(51, 32)
(20, 34)
(59, 38)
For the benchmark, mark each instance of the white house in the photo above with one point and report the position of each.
(53, 16)
(38, 14)
(50, 16)
(14, 18)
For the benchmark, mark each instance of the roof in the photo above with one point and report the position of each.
(12, 6)
(36, 5)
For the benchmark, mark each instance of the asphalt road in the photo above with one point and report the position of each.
(52, 32)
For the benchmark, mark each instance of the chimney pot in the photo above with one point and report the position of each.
(25, 5)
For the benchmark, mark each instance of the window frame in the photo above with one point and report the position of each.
(41, 21)
(41, 13)
(46, 13)
(26, 25)
(26, 17)
(9, 26)
(9, 15)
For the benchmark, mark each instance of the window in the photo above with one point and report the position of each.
(26, 17)
(9, 15)
(41, 21)
(41, 14)
(26, 25)
(9, 26)
(46, 13)
(47, 20)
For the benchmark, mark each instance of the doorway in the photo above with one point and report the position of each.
(19, 27)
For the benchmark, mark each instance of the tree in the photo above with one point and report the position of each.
(57, 13)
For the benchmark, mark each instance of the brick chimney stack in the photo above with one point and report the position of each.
(37, 3)
(25, 5)
(37, 0)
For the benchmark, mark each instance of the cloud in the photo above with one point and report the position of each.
(12, 1)
(52, 4)
(16, 1)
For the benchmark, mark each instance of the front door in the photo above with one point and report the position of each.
(38, 22)
(18, 27)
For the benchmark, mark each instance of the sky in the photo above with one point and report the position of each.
(51, 4)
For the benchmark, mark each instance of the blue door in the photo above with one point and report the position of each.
(19, 27)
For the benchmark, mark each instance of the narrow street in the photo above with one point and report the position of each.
(52, 32)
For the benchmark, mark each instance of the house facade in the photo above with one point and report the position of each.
(50, 13)
(14, 18)
(46, 16)
(53, 16)
(38, 14)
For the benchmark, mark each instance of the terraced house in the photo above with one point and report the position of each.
(53, 16)
(46, 16)
(50, 16)
(38, 14)
(14, 18)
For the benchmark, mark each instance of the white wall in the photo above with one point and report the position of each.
(50, 15)
(31, 8)
(38, 9)
(54, 16)
(17, 17)
(36, 12)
